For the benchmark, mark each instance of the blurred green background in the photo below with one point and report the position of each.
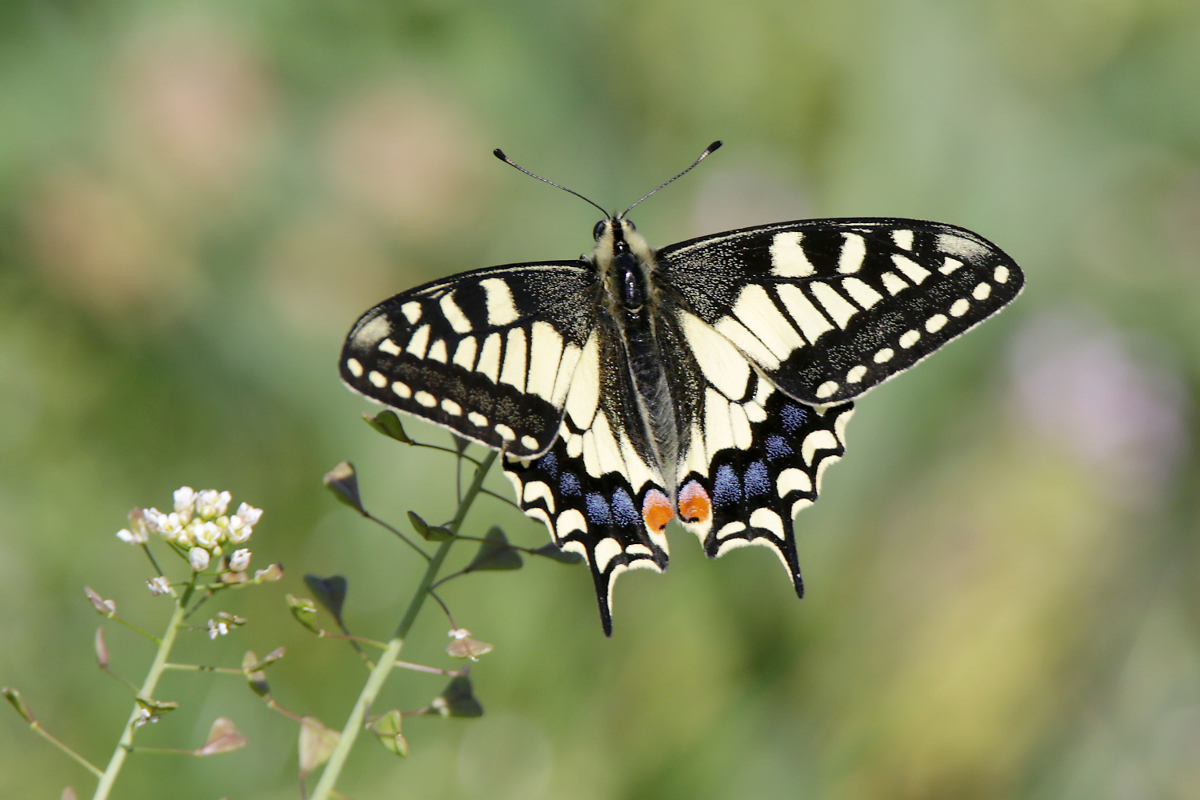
(198, 199)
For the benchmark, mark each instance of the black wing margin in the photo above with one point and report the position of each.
(830, 308)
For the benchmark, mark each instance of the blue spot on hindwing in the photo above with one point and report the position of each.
(568, 484)
(623, 508)
(727, 489)
(549, 464)
(793, 417)
(598, 512)
(777, 447)
(757, 479)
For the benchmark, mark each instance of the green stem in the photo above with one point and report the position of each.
(148, 685)
(387, 661)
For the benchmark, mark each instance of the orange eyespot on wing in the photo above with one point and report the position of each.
(656, 510)
(694, 503)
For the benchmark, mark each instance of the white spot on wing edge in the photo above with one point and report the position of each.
(936, 323)
(529, 443)
(827, 389)
(960, 307)
(355, 366)
(425, 399)
(856, 374)
(377, 379)
(401, 389)
(884, 355)
(452, 408)
(537, 490)
(982, 291)
(817, 440)
(477, 419)
(909, 338)
(1000, 275)
(793, 480)
(505, 432)
(606, 550)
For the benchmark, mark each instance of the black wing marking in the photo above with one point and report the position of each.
(829, 308)
(488, 354)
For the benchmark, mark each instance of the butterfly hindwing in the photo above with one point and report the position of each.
(488, 354)
(829, 308)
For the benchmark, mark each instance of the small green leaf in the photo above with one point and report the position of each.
(342, 480)
(430, 533)
(494, 553)
(252, 668)
(387, 729)
(305, 611)
(316, 744)
(156, 707)
(458, 700)
(387, 423)
(330, 592)
(555, 553)
(223, 737)
(13, 696)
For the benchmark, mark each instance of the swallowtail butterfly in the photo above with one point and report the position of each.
(709, 380)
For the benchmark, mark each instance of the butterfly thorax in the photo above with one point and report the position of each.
(633, 321)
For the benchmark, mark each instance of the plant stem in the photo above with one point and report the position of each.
(157, 667)
(387, 661)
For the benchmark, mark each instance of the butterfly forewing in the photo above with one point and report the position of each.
(830, 308)
(488, 354)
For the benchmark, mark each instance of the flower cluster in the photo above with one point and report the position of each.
(199, 526)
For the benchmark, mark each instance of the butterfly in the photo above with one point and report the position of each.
(709, 380)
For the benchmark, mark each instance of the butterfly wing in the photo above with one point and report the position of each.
(598, 490)
(829, 308)
(489, 354)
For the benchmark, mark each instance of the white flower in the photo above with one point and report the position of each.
(158, 585)
(237, 530)
(211, 504)
(206, 534)
(185, 501)
(216, 629)
(239, 560)
(249, 514)
(198, 558)
(458, 633)
(130, 537)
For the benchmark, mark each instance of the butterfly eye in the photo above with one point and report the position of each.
(598, 231)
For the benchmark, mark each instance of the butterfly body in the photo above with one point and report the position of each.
(709, 381)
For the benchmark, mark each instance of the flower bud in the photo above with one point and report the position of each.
(239, 560)
(158, 585)
(198, 558)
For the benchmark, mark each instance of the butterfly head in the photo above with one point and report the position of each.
(617, 235)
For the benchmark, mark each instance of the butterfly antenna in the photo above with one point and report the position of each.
(707, 152)
(498, 153)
